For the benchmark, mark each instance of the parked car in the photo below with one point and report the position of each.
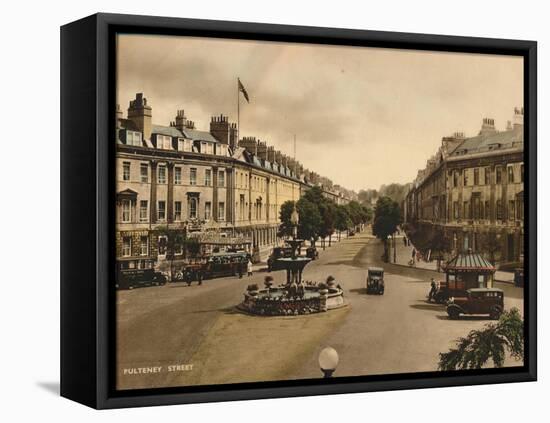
(312, 253)
(518, 277)
(137, 272)
(446, 291)
(375, 280)
(488, 301)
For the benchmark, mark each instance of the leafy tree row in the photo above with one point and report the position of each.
(320, 217)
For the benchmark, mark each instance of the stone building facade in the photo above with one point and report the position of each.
(471, 193)
(224, 191)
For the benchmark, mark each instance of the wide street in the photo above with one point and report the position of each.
(199, 328)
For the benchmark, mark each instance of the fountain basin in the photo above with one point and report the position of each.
(275, 302)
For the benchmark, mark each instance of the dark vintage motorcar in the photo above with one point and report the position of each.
(519, 277)
(312, 253)
(489, 301)
(137, 272)
(276, 253)
(375, 281)
(351, 233)
(225, 264)
(446, 291)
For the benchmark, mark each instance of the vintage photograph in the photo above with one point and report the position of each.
(290, 211)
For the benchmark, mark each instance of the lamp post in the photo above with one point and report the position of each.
(328, 361)
(394, 249)
(388, 243)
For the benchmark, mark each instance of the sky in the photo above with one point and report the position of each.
(362, 117)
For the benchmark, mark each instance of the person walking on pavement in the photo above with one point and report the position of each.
(199, 276)
(413, 256)
(404, 240)
(433, 290)
(249, 268)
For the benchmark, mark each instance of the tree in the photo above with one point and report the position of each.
(387, 216)
(342, 220)
(366, 196)
(490, 343)
(327, 209)
(310, 220)
(367, 214)
(315, 195)
(395, 191)
(175, 241)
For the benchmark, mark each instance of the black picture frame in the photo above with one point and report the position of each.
(87, 195)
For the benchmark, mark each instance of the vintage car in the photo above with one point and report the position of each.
(137, 272)
(189, 272)
(312, 253)
(488, 301)
(220, 265)
(446, 290)
(519, 277)
(375, 281)
(276, 253)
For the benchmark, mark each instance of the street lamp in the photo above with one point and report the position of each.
(328, 360)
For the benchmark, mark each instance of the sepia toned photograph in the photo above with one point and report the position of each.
(293, 211)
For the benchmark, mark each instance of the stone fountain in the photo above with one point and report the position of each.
(293, 297)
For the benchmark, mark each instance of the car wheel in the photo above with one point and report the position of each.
(495, 313)
(453, 313)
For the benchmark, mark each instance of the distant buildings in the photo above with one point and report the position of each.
(471, 193)
(224, 191)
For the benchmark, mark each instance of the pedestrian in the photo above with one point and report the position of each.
(404, 240)
(188, 277)
(249, 268)
(413, 255)
(433, 290)
(199, 276)
(240, 269)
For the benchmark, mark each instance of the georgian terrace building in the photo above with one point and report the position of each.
(220, 190)
(471, 188)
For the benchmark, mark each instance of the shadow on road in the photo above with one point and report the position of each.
(467, 318)
(428, 306)
(361, 291)
(224, 310)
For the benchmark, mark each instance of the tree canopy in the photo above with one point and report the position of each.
(387, 217)
(320, 216)
(342, 221)
(310, 219)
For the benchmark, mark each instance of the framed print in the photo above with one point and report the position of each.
(256, 211)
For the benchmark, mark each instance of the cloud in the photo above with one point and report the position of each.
(362, 116)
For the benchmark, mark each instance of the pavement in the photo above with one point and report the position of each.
(404, 255)
(198, 330)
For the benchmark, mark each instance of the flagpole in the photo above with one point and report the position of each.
(238, 112)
